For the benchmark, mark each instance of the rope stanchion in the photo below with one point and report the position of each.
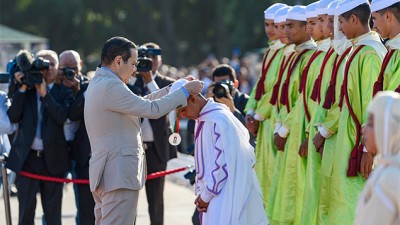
(86, 181)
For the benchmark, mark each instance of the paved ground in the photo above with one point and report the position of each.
(178, 201)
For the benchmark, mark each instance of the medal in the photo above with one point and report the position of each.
(175, 139)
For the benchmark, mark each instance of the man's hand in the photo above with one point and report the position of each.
(366, 164)
(147, 76)
(228, 101)
(252, 124)
(41, 89)
(303, 151)
(194, 87)
(201, 205)
(318, 141)
(74, 84)
(280, 142)
(209, 92)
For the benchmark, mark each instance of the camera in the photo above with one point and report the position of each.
(4, 78)
(144, 58)
(30, 67)
(69, 73)
(222, 88)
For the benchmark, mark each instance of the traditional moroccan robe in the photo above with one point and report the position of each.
(286, 195)
(361, 70)
(225, 176)
(268, 116)
(390, 72)
(379, 202)
(265, 156)
(321, 65)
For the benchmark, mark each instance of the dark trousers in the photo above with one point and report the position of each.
(155, 187)
(50, 193)
(85, 198)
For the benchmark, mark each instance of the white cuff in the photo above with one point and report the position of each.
(283, 131)
(277, 127)
(206, 196)
(365, 149)
(258, 117)
(325, 133)
(152, 86)
(250, 112)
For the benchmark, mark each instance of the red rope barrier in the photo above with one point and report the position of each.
(86, 181)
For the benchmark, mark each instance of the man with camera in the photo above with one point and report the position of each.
(113, 115)
(155, 132)
(72, 77)
(39, 107)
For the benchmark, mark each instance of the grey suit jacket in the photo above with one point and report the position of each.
(112, 116)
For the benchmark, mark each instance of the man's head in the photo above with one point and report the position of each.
(50, 74)
(324, 19)
(269, 20)
(295, 26)
(387, 19)
(156, 59)
(279, 21)
(331, 17)
(71, 59)
(354, 17)
(225, 72)
(120, 55)
(312, 21)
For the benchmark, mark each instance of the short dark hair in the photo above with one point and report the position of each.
(395, 9)
(362, 12)
(114, 47)
(223, 70)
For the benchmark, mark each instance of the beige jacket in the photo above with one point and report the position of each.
(112, 117)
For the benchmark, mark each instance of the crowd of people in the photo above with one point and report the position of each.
(314, 142)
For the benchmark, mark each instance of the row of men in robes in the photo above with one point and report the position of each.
(322, 68)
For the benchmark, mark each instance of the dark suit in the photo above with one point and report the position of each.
(81, 152)
(157, 154)
(55, 159)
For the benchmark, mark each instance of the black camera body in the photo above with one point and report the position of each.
(222, 88)
(31, 68)
(144, 61)
(69, 73)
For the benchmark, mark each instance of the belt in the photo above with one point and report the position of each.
(147, 145)
(36, 153)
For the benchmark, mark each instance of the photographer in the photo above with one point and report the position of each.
(39, 107)
(155, 133)
(72, 78)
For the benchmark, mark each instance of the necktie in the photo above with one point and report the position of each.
(40, 116)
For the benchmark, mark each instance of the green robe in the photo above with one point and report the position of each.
(362, 73)
(391, 80)
(271, 115)
(287, 192)
(311, 188)
(265, 156)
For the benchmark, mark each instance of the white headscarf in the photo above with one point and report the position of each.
(385, 108)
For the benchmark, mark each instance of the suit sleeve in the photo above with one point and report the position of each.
(58, 111)
(16, 109)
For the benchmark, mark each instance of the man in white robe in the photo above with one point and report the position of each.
(227, 188)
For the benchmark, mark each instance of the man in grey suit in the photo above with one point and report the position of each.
(117, 168)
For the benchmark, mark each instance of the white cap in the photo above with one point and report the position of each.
(322, 7)
(377, 5)
(178, 84)
(347, 5)
(270, 11)
(311, 10)
(280, 15)
(332, 8)
(297, 12)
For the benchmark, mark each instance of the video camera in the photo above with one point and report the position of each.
(145, 62)
(30, 67)
(222, 88)
(69, 73)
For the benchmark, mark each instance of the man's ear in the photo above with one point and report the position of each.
(236, 83)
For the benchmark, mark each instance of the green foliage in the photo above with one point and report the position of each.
(186, 30)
